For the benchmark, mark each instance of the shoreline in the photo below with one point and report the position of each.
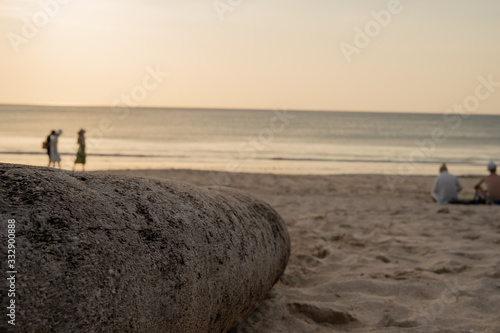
(415, 187)
(278, 174)
(256, 171)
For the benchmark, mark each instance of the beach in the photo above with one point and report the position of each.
(186, 166)
(368, 257)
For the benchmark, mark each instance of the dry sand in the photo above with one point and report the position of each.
(366, 258)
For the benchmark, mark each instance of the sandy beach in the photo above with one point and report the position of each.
(332, 117)
(368, 258)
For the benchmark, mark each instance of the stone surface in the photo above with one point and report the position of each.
(103, 253)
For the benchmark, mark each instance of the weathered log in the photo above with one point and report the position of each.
(100, 253)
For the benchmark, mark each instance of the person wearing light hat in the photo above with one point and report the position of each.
(492, 181)
(81, 156)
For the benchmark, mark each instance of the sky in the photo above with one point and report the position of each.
(360, 55)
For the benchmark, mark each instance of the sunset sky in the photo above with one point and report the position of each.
(251, 54)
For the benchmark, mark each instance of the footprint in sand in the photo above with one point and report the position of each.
(308, 261)
(451, 267)
(354, 242)
(339, 237)
(383, 259)
(405, 275)
(443, 211)
(467, 212)
(388, 321)
(495, 273)
(321, 315)
(471, 236)
(321, 252)
(290, 280)
(472, 256)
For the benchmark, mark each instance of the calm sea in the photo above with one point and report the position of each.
(298, 142)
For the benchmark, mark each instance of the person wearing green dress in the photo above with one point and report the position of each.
(81, 156)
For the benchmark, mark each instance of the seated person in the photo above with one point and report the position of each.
(446, 187)
(492, 193)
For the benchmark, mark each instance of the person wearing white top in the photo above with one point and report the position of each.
(55, 157)
(446, 187)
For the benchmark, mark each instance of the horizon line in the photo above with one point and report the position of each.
(237, 109)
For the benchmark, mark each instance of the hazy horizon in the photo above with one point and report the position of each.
(411, 56)
(238, 109)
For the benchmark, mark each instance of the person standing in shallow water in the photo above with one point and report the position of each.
(53, 153)
(81, 156)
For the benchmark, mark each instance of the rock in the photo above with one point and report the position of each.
(100, 253)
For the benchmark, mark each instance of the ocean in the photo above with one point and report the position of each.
(273, 141)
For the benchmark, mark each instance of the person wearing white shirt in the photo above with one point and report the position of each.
(54, 155)
(446, 187)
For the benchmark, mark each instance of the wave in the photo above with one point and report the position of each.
(357, 160)
(450, 161)
(92, 154)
